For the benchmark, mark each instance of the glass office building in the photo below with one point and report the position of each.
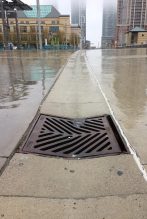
(78, 17)
(109, 24)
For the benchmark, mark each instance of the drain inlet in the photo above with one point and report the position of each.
(74, 138)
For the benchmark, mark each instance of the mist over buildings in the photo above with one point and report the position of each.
(93, 17)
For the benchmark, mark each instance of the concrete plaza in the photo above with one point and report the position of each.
(42, 187)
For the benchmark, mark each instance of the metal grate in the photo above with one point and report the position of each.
(74, 138)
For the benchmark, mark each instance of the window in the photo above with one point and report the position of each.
(23, 29)
(24, 37)
(53, 22)
(54, 29)
(33, 37)
(32, 29)
(41, 28)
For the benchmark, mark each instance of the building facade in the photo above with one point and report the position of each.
(130, 14)
(136, 37)
(78, 17)
(55, 28)
(109, 24)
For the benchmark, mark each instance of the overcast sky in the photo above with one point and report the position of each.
(94, 16)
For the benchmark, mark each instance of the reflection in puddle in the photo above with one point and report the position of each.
(123, 79)
(21, 72)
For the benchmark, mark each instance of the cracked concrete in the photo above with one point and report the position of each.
(127, 207)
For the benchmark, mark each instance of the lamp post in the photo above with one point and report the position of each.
(65, 28)
(39, 24)
(17, 29)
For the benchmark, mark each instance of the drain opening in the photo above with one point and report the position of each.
(74, 138)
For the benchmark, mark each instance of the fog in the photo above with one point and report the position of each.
(94, 16)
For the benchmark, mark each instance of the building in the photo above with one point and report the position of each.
(136, 37)
(130, 14)
(78, 17)
(109, 24)
(55, 28)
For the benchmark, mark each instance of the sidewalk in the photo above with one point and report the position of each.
(103, 188)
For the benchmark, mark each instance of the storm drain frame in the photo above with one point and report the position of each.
(74, 138)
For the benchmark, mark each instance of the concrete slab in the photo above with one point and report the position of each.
(2, 162)
(75, 93)
(75, 90)
(14, 124)
(127, 207)
(29, 175)
(74, 110)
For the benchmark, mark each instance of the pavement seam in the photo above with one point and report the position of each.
(72, 198)
(75, 102)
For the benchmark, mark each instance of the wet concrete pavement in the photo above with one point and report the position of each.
(25, 78)
(122, 75)
(107, 187)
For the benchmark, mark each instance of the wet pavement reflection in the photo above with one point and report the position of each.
(21, 71)
(122, 74)
(25, 78)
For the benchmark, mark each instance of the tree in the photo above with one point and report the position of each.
(61, 37)
(74, 40)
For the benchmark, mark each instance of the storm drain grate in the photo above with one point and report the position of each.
(74, 138)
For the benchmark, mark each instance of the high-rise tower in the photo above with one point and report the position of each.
(78, 16)
(109, 23)
(130, 14)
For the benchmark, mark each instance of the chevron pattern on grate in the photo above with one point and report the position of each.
(72, 138)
